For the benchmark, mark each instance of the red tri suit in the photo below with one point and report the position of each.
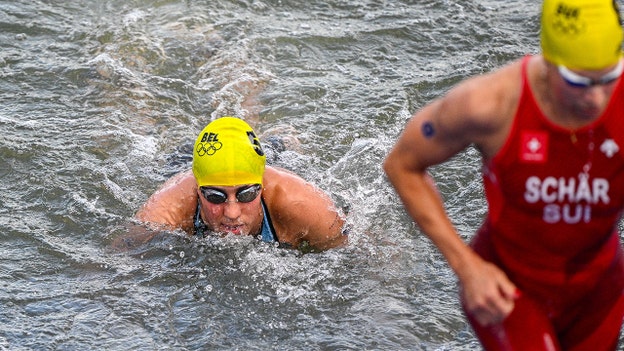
(555, 198)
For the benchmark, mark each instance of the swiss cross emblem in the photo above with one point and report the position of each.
(534, 147)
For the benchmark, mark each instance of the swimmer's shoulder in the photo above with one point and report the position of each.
(281, 184)
(173, 204)
(481, 109)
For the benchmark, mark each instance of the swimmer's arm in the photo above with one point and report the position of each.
(173, 205)
(432, 136)
(170, 208)
(319, 223)
(301, 213)
(427, 141)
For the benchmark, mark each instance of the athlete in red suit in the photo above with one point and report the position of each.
(546, 269)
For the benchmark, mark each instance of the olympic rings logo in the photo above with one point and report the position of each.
(208, 148)
(568, 27)
(568, 21)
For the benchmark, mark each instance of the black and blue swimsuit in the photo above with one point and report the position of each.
(267, 233)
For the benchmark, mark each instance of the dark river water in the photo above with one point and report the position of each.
(99, 103)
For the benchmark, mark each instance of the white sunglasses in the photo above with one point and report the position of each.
(579, 81)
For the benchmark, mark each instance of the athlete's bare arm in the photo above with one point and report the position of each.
(302, 212)
(476, 112)
(171, 207)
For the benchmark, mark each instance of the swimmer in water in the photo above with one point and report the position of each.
(230, 190)
(546, 269)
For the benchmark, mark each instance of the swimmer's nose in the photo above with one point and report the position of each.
(232, 209)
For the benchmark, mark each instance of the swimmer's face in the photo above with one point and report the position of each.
(588, 100)
(232, 209)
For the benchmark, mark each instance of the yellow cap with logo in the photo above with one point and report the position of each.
(581, 34)
(228, 153)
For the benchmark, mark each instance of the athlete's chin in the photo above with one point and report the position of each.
(591, 115)
(589, 112)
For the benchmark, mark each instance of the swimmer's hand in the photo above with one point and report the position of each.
(487, 293)
(135, 236)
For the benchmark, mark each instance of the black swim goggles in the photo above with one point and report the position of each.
(244, 194)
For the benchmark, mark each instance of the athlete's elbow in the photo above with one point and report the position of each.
(391, 167)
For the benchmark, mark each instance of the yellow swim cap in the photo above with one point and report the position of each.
(581, 34)
(227, 153)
